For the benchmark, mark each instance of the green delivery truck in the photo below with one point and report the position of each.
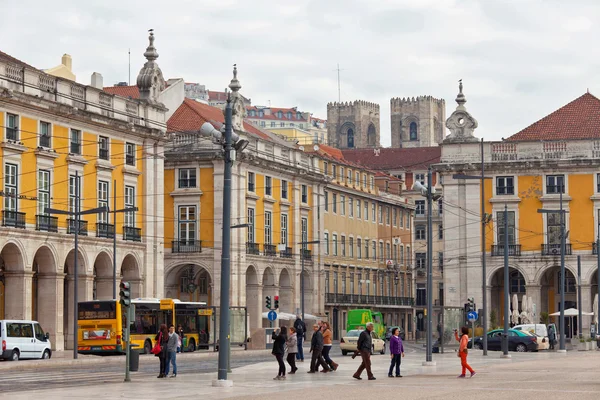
(358, 319)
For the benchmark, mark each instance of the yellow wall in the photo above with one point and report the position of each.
(581, 211)
(531, 224)
(170, 212)
(207, 206)
(28, 170)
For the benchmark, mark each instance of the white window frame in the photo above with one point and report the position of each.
(130, 202)
(44, 195)
(103, 199)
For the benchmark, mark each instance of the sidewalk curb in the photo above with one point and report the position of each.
(86, 360)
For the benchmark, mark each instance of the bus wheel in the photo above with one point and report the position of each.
(147, 347)
(192, 345)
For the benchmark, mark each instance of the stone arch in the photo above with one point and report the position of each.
(251, 276)
(189, 282)
(517, 285)
(493, 271)
(347, 127)
(549, 282)
(253, 299)
(84, 290)
(286, 292)
(103, 277)
(130, 272)
(371, 136)
(268, 278)
(47, 292)
(350, 138)
(13, 256)
(14, 285)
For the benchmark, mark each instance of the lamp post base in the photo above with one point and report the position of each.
(222, 383)
(429, 363)
(561, 351)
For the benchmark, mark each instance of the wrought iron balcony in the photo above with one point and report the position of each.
(306, 254)
(287, 253)
(270, 250)
(514, 250)
(132, 233)
(186, 246)
(13, 219)
(361, 299)
(83, 227)
(105, 230)
(252, 248)
(554, 249)
(46, 223)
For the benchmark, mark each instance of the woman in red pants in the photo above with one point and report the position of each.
(462, 351)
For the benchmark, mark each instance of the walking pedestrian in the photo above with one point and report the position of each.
(316, 348)
(300, 327)
(363, 347)
(172, 343)
(327, 343)
(181, 336)
(396, 351)
(551, 336)
(162, 338)
(292, 347)
(279, 338)
(463, 351)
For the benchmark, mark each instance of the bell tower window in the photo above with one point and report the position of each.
(350, 136)
(413, 131)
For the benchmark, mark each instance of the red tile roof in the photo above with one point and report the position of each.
(390, 159)
(192, 114)
(335, 155)
(273, 113)
(221, 96)
(580, 119)
(125, 91)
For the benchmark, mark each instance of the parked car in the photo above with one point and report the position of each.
(23, 339)
(388, 333)
(540, 330)
(348, 342)
(520, 341)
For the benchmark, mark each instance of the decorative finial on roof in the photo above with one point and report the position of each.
(151, 54)
(460, 98)
(235, 84)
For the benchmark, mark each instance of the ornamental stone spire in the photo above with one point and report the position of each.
(461, 124)
(150, 80)
(237, 102)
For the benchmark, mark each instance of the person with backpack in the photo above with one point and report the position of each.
(300, 328)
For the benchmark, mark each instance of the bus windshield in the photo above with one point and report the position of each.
(97, 310)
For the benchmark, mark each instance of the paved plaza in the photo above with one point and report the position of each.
(531, 375)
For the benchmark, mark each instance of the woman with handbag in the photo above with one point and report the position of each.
(160, 348)
(463, 351)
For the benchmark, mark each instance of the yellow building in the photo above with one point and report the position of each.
(367, 240)
(529, 170)
(53, 130)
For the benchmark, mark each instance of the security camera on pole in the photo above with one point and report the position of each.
(429, 193)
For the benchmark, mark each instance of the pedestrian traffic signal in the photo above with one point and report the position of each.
(276, 302)
(125, 294)
(268, 302)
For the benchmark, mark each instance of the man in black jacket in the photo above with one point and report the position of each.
(301, 336)
(363, 347)
(316, 348)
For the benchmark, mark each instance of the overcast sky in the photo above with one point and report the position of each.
(519, 60)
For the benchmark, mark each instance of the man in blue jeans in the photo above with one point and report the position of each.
(172, 351)
(300, 332)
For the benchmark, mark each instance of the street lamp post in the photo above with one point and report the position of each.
(302, 255)
(484, 220)
(77, 216)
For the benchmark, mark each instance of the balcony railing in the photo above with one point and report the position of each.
(253, 248)
(46, 223)
(13, 219)
(186, 246)
(554, 249)
(287, 253)
(358, 299)
(83, 227)
(514, 250)
(270, 250)
(105, 230)
(306, 254)
(132, 233)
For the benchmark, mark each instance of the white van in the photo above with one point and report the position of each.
(23, 339)
(539, 330)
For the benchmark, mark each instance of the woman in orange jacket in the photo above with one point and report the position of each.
(462, 351)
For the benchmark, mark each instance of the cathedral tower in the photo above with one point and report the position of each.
(417, 122)
(353, 125)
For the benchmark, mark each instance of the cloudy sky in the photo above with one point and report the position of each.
(519, 60)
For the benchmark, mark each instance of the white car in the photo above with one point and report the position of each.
(23, 339)
(348, 342)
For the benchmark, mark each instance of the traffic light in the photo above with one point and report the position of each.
(268, 302)
(276, 302)
(471, 301)
(125, 294)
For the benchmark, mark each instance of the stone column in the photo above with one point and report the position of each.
(17, 294)
(84, 293)
(535, 292)
(254, 296)
(51, 307)
(104, 289)
(586, 306)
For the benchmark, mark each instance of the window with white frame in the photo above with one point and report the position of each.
(268, 218)
(334, 203)
(187, 225)
(45, 134)
(358, 208)
(103, 197)
(350, 207)
(357, 178)
(43, 191)
(420, 178)
(349, 179)
(326, 239)
(505, 185)
(251, 182)
(103, 148)
(342, 174)
(129, 203)
(187, 178)
(284, 189)
(421, 260)
(374, 249)
(72, 192)
(334, 171)
(343, 245)
(395, 217)
(326, 199)
(364, 181)
(284, 229)
(381, 251)
(555, 184)
(373, 213)
(366, 249)
(75, 142)
(335, 244)
(388, 251)
(351, 247)
(304, 194)
(359, 248)
(380, 215)
(366, 214)
(12, 127)
(130, 154)
(342, 204)
(401, 220)
(372, 183)
(387, 215)
(395, 253)
(553, 234)
(304, 231)
(420, 232)
(401, 257)
(250, 225)
(420, 207)
(11, 192)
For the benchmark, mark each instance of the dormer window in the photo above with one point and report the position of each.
(279, 114)
(298, 116)
(289, 115)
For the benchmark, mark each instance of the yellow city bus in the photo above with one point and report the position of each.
(100, 324)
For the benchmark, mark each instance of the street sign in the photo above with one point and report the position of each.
(472, 316)
(389, 263)
(272, 316)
